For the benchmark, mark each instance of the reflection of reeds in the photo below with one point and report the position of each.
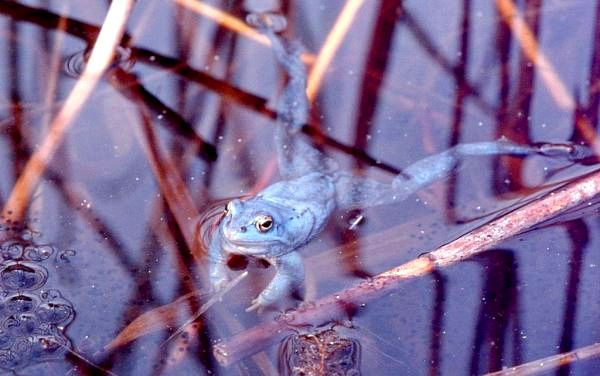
(177, 194)
(100, 58)
(579, 235)
(530, 46)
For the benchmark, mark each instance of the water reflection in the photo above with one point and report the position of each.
(498, 326)
(410, 79)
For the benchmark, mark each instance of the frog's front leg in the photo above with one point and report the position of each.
(217, 262)
(289, 277)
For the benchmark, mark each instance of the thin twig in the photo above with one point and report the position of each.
(337, 305)
(331, 45)
(209, 303)
(552, 362)
(100, 58)
(531, 48)
(82, 358)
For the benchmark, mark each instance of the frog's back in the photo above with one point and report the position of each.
(314, 187)
(314, 192)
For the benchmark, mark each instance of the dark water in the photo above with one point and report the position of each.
(409, 79)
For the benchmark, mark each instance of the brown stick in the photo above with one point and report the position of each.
(552, 362)
(336, 306)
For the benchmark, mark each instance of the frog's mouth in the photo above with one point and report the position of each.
(255, 247)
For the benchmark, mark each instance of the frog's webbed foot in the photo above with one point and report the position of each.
(258, 305)
(576, 153)
(289, 278)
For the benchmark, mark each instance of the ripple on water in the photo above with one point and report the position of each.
(75, 64)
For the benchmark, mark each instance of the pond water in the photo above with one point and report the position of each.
(106, 264)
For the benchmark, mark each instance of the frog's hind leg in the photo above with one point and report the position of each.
(295, 156)
(353, 191)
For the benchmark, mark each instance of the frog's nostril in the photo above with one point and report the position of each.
(243, 229)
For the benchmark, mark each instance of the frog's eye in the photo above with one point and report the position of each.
(264, 223)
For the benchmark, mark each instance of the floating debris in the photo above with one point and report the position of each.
(325, 352)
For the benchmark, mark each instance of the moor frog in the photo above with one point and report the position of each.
(275, 223)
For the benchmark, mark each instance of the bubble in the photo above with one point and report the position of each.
(11, 251)
(22, 347)
(65, 256)
(9, 360)
(32, 320)
(20, 303)
(37, 252)
(51, 294)
(6, 340)
(16, 275)
(55, 313)
(27, 324)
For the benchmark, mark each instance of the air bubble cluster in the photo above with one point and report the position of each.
(32, 320)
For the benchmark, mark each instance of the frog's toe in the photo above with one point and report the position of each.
(257, 305)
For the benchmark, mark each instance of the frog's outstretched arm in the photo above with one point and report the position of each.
(353, 191)
(288, 278)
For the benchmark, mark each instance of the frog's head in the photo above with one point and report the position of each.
(261, 227)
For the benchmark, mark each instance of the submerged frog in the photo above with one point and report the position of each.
(275, 223)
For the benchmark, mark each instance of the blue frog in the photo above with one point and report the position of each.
(277, 222)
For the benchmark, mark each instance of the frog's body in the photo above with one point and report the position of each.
(299, 209)
(278, 221)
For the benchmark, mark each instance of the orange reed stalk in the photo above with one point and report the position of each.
(110, 35)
